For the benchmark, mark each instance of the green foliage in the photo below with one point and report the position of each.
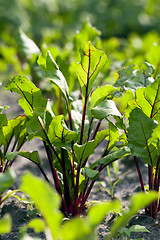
(48, 201)
(69, 147)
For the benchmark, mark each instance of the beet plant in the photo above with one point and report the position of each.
(70, 138)
(142, 93)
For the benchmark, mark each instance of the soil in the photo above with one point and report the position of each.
(128, 184)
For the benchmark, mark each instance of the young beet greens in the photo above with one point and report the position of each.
(130, 110)
(70, 140)
(143, 113)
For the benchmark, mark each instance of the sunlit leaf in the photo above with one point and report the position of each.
(100, 94)
(46, 200)
(148, 100)
(105, 109)
(15, 127)
(5, 224)
(58, 133)
(92, 60)
(102, 209)
(55, 75)
(26, 45)
(32, 101)
(37, 224)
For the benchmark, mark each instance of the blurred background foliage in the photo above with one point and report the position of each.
(128, 31)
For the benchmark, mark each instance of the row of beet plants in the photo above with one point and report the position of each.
(124, 115)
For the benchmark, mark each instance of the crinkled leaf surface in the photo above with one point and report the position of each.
(32, 101)
(45, 199)
(58, 133)
(84, 151)
(92, 60)
(139, 132)
(104, 109)
(132, 78)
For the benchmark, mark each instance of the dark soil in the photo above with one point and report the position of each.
(127, 185)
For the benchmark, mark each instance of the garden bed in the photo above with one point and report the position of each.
(127, 185)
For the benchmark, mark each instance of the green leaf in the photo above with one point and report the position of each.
(138, 228)
(5, 224)
(6, 180)
(55, 75)
(98, 211)
(121, 152)
(28, 48)
(34, 129)
(92, 60)
(90, 173)
(100, 136)
(15, 127)
(105, 109)
(11, 155)
(32, 101)
(138, 201)
(80, 230)
(113, 136)
(3, 120)
(100, 94)
(139, 132)
(148, 100)
(47, 201)
(132, 78)
(82, 152)
(37, 224)
(58, 133)
(87, 33)
(122, 101)
(33, 156)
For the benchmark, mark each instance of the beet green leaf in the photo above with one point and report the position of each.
(139, 133)
(84, 151)
(104, 109)
(148, 100)
(92, 60)
(32, 101)
(100, 94)
(58, 133)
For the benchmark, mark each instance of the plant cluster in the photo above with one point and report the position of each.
(125, 115)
